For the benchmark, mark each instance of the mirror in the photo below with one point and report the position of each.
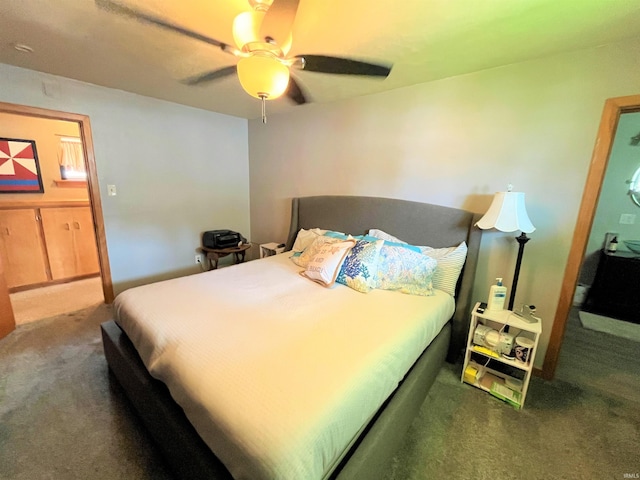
(634, 187)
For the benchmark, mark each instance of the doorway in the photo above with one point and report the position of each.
(613, 108)
(94, 210)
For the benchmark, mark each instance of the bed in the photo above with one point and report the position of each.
(354, 417)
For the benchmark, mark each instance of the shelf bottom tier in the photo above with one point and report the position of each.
(495, 383)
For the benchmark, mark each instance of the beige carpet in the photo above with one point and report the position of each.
(46, 302)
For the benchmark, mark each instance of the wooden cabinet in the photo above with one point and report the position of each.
(21, 247)
(43, 244)
(71, 242)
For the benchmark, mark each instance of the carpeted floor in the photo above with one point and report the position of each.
(612, 326)
(62, 418)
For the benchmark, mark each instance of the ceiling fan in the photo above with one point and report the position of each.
(263, 40)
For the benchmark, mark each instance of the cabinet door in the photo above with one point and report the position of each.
(21, 248)
(70, 241)
(84, 241)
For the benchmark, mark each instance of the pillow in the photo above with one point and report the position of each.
(390, 240)
(450, 262)
(340, 235)
(374, 232)
(361, 266)
(323, 268)
(312, 249)
(306, 238)
(405, 270)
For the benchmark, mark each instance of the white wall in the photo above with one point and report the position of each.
(455, 142)
(178, 171)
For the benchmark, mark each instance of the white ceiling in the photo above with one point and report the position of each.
(424, 39)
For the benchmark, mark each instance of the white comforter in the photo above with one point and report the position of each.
(277, 374)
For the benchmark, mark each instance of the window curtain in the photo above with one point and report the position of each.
(71, 158)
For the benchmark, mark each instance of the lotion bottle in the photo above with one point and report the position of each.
(497, 296)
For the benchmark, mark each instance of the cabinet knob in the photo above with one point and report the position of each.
(76, 225)
(67, 226)
(6, 229)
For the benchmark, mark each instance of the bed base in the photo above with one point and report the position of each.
(189, 457)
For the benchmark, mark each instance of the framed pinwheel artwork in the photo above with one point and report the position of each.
(19, 167)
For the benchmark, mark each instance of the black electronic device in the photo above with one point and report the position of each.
(217, 239)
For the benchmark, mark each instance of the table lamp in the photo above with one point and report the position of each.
(507, 213)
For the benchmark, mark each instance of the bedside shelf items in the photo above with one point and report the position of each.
(500, 360)
(268, 249)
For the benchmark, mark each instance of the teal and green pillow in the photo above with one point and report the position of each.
(360, 267)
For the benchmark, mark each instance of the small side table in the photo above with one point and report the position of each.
(268, 249)
(215, 254)
(487, 362)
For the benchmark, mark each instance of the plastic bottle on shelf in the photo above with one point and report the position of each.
(497, 296)
(613, 245)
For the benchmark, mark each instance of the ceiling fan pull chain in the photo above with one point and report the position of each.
(264, 108)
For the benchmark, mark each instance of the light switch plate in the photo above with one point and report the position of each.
(111, 190)
(627, 219)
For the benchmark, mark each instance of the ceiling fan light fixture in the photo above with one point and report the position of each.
(246, 27)
(263, 76)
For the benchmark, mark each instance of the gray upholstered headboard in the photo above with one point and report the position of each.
(414, 222)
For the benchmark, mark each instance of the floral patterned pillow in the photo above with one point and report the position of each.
(361, 265)
(405, 270)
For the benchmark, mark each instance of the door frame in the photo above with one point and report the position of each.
(92, 181)
(613, 108)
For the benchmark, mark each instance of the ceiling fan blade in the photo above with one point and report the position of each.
(124, 10)
(278, 21)
(341, 66)
(210, 76)
(294, 92)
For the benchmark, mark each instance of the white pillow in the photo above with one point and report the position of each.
(374, 232)
(325, 265)
(306, 238)
(450, 262)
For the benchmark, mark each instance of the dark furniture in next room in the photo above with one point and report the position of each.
(614, 292)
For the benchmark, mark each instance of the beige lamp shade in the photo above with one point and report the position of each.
(507, 213)
(263, 76)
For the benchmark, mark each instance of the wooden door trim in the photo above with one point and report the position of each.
(7, 319)
(92, 181)
(613, 108)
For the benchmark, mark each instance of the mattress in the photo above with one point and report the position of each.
(277, 374)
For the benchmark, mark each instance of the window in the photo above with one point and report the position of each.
(71, 159)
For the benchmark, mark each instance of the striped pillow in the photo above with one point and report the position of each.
(450, 262)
